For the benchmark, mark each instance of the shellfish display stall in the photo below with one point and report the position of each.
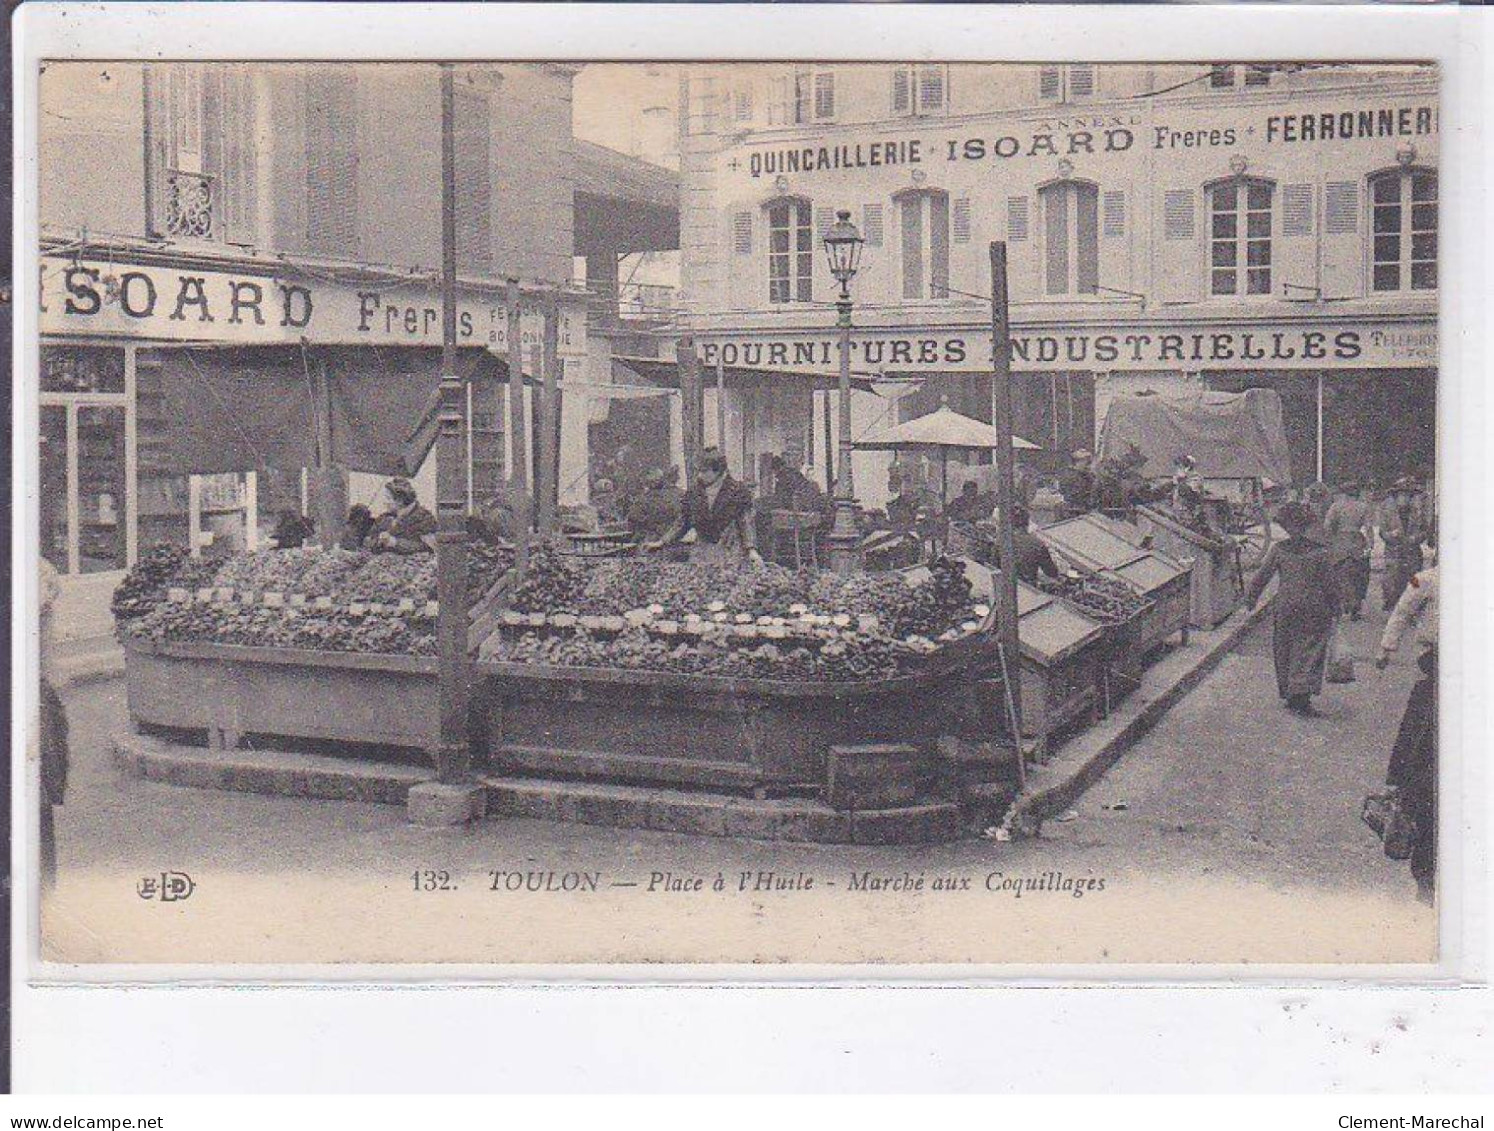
(1099, 546)
(1217, 575)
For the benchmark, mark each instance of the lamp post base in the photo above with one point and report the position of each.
(843, 543)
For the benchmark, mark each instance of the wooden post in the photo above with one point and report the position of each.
(690, 402)
(549, 420)
(721, 409)
(453, 753)
(518, 470)
(1006, 494)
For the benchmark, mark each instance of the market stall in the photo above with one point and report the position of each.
(1063, 667)
(1216, 574)
(1096, 545)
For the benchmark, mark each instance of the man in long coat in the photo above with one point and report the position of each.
(1305, 606)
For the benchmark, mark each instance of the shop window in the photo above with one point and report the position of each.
(1067, 83)
(920, 89)
(924, 218)
(201, 177)
(1071, 247)
(1240, 219)
(82, 370)
(1403, 223)
(331, 162)
(790, 251)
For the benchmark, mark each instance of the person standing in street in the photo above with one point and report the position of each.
(1305, 606)
(1349, 525)
(1402, 528)
(53, 741)
(1412, 773)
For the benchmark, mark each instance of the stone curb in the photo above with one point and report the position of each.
(1130, 724)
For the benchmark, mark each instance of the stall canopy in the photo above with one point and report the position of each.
(241, 409)
(665, 373)
(1230, 435)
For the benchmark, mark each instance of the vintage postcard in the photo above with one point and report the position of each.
(779, 513)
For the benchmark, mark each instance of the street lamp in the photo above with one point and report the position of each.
(843, 244)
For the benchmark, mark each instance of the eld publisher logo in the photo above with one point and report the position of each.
(168, 887)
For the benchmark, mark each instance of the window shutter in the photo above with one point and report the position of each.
(1050, 84)
(912, 221)
(1177, 214)
(1257, 74)
(331, 163)
(1296, 208)
(1341, 208)
(930, 89)
(1016, 218)
(240, 186)
(871, 224)
(960, 223)
(158, 148)
(744, 105)
(823, 219)
(824, 95)
(1222, 76)
(1081, 80)
(741, 233)
(474, 181)
(212, 143)
(902, 90)
(1115, 215)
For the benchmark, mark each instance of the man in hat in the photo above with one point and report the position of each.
(1402, 528)
(406, 527)
(1350, 527)
(1305, 606)
(719, 510)
(1077, 484)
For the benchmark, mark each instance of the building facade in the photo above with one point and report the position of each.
(253, 252)
(1166, 228)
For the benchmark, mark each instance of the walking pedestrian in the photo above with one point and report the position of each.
(1305, 605)
(1412, 773)
(1402, 528)
(1349, 525)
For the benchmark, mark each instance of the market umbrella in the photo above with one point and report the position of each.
(942, 430)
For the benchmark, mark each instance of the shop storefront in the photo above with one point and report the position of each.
(182, 401)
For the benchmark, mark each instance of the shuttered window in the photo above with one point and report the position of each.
(920, 89)
(743, 109)
(741, 233)
(824, 96)
(924, 218)
(1341, 208)
(331, 162)
(1081, 80)
(960, 220)
(1071, 249)
(1177, 214)
(474, 181)
(1296, 210)
(823, 219)
(1050, 84)
(871, 224)
(1115, 214)
(1016, 218)
(201, 167)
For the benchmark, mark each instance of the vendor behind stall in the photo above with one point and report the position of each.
(719, 510)
(969, 505)
(654, 512)
(1077, 484)
(292, 529)
(407, 527)
(1033, 558)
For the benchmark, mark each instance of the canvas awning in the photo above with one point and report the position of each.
(665, 373)
(238, 409)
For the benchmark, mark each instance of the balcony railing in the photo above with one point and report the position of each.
(189, 205)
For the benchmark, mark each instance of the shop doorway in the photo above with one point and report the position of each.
(85, 504)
